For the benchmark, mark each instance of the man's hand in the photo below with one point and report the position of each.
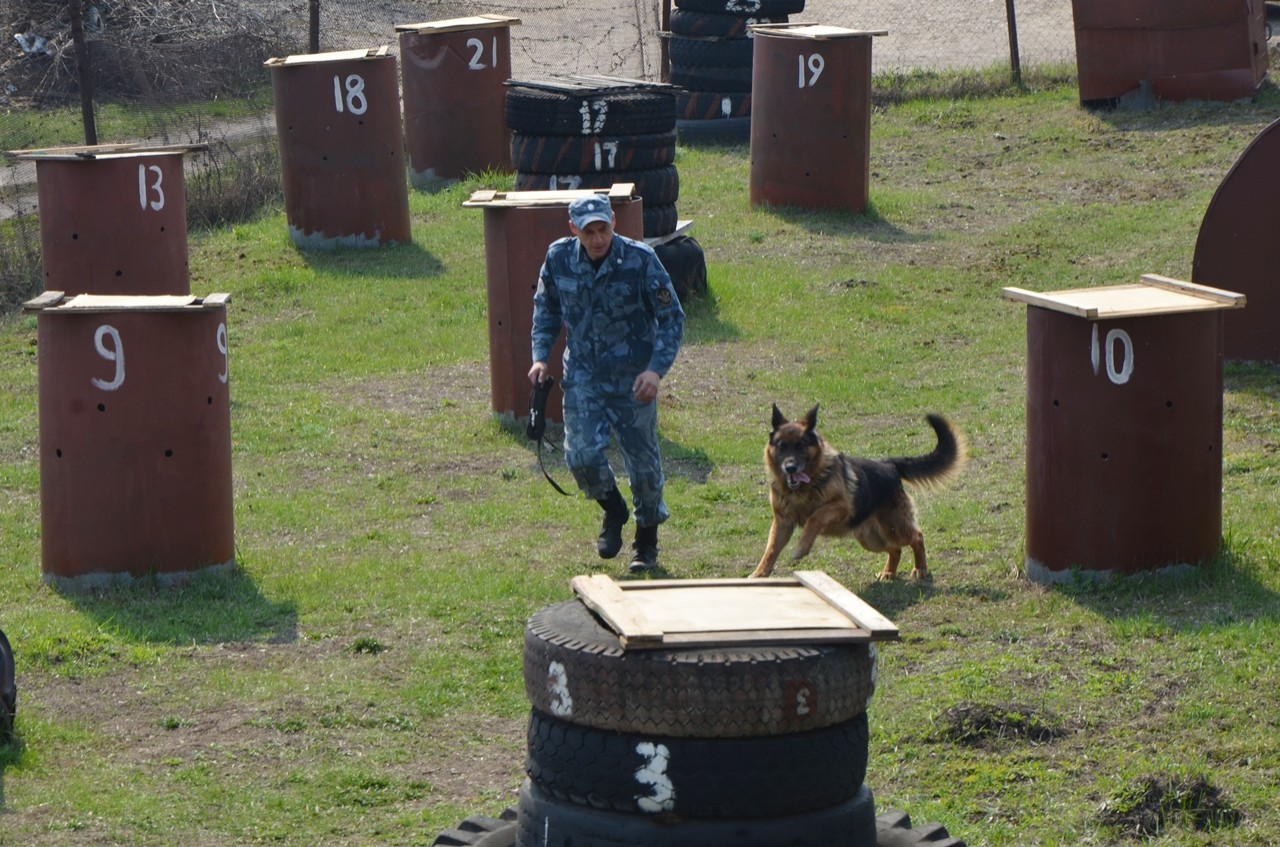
(538, 373)
(645, 388)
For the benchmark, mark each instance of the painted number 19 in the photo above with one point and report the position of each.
(810, 68)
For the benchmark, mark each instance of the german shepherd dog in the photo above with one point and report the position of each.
(828, 493)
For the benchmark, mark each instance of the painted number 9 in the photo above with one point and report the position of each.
(221, 340)
(144, 190)
(814, 64)
(113, 353)
(354, 101)
(1117, 339)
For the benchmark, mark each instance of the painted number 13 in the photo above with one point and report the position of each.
(146, 191)
(813, 65)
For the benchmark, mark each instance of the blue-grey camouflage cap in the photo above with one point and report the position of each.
(584, 210)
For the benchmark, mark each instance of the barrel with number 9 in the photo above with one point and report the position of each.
(135, 437)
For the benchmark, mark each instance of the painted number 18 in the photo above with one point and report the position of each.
(354, 100)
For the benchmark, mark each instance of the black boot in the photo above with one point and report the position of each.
(644, 549)
(615, 515)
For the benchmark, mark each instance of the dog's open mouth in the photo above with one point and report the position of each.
(795, 479)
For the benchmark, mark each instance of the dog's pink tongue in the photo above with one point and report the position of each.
(799, 478)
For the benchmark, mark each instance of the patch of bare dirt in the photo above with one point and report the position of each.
(1149, 807)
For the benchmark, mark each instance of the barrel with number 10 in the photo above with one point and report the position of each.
(341, 148)
(112, 222)
(135, 437)
(1124, 427)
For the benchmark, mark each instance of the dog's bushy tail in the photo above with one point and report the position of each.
(942, 463)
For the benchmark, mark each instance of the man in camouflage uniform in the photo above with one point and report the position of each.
(624, 324)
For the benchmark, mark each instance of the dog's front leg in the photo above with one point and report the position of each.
(779, 534)
(817, 524)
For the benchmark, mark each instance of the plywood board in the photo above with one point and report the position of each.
(1153, 295)
(459, 24)
(809, 607)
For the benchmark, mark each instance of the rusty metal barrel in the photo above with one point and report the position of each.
(811, 117)
(1124, 428)
(113, 219)
(1138, 50)
(341, 148)
(519, 226)
(1234, 248)
(453, 77)
(135, 437)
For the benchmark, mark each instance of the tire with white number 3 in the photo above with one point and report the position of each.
(576, 670)
(703, 778)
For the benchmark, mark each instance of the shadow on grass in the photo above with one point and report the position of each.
(893, 598)
(404, 261)
(1218, 593)
(211, 608)
(868, 224)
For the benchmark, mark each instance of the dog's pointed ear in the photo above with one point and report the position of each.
(811, 418)
(778, 418)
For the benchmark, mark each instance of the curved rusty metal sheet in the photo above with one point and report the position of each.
(516, 238)
(1124, 442)
(1169, 49)
(453, 76)
(114, 223)
(811, 118)
(342, 149)
(135, 440)
(1233, 248)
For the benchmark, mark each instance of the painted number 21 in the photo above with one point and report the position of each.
(810, 68)
(354, 100)
(477, 54)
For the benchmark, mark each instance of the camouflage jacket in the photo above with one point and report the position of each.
(622, 319)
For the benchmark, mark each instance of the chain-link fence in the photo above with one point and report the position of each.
(190, 72)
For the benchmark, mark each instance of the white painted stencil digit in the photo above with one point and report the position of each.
(558, 686)
(113, 353)
(653, 773)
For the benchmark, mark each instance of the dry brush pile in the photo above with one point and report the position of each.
(142, 49)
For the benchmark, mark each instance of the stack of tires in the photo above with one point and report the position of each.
(692, 747)
(710, 49)
(592, 133)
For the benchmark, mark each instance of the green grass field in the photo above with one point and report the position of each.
(358, 680)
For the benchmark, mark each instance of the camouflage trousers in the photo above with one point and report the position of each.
(590, 419)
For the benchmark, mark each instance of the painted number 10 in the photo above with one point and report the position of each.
(353, 100)
(810, 68)
(1118, 349)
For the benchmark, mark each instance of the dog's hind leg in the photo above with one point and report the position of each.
(921, 570)
(890, 571)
